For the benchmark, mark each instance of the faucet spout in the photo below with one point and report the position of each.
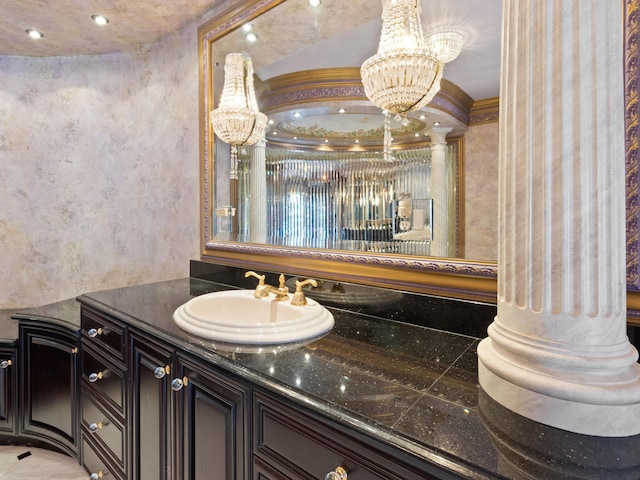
(281, 292)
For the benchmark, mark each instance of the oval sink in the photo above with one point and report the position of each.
(236, 316)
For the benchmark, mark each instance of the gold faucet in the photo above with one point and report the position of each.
(263, 290)
(298, 297)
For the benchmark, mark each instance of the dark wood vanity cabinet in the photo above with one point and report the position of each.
(212, 438)
(49, 393)
(292, 444)
(104, 446)
(150, 421)
(153, 411)
(187, 419)
(8, 392)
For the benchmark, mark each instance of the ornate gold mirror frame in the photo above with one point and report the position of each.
(456, 278)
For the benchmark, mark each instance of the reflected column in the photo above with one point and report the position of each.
(557, 351)
(258, 196)
(440, 220)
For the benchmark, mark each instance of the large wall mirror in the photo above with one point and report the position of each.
(306, 62)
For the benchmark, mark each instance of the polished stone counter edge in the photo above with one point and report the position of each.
(65, 313)
(455, 466)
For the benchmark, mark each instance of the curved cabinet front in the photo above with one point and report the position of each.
(49, 385)
(8, 382)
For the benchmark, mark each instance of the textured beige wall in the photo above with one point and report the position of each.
(98, 170)
(481, 191)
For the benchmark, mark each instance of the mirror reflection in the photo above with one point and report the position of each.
(322, 177)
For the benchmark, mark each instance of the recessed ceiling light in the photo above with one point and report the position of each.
(326, 140)
(342, 110)
(436, 123)
(314, 3)
(416, 134)
(35, 34)
(251, 37)
(100, 19)
(271, 122)
(422, 117)
(357, 141)
(297, 114)
(295, 138)
(247, 27)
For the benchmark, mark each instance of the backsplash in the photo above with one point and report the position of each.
(455, 316)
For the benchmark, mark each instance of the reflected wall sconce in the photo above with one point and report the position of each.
(237, 120)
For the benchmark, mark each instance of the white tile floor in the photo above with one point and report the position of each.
(40, 465)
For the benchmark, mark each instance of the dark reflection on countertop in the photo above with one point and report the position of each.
(528, 450)
(409, 386)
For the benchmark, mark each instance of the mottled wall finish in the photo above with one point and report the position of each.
(481, 191)
(99, 166)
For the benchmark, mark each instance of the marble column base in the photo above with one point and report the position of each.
(574, 392)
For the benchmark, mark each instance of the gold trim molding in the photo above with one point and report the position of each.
(485, 111)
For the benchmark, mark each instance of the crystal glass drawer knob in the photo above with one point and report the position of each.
(5, 363)
(338, 474)
(160, 372)
(178, 383)
(96, 476)
(94, 427)
(94, 332)
(94, 377)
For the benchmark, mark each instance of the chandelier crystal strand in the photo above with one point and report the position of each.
(237, 120)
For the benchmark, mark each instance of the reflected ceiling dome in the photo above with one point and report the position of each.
(328, 109)
(351, 127)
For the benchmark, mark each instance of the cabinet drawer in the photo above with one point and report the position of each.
(106, 378)
(103, 332)
(94, 462)
(300, 446)
(104, 429)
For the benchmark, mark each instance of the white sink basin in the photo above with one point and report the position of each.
(237, 317)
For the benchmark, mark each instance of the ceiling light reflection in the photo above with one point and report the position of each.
(35, 34)
(100, 19)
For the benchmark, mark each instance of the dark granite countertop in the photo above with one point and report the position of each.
(411, 387)
(65, 313)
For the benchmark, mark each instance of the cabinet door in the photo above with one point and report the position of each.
(150, 409)
(211, 427)
(49, 391)
(8, 370)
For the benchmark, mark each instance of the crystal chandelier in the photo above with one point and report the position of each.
(404, 75)
(237, 120)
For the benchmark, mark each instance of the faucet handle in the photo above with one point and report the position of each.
(298, 297)
(261, 289)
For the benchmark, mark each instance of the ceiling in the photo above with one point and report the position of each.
(292, 37)
(68, 29)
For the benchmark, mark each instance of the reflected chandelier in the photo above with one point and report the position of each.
(237, 120)
(403, 75)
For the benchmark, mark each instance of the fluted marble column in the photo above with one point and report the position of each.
(557, 351)
(440, 221)
(258, 198)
